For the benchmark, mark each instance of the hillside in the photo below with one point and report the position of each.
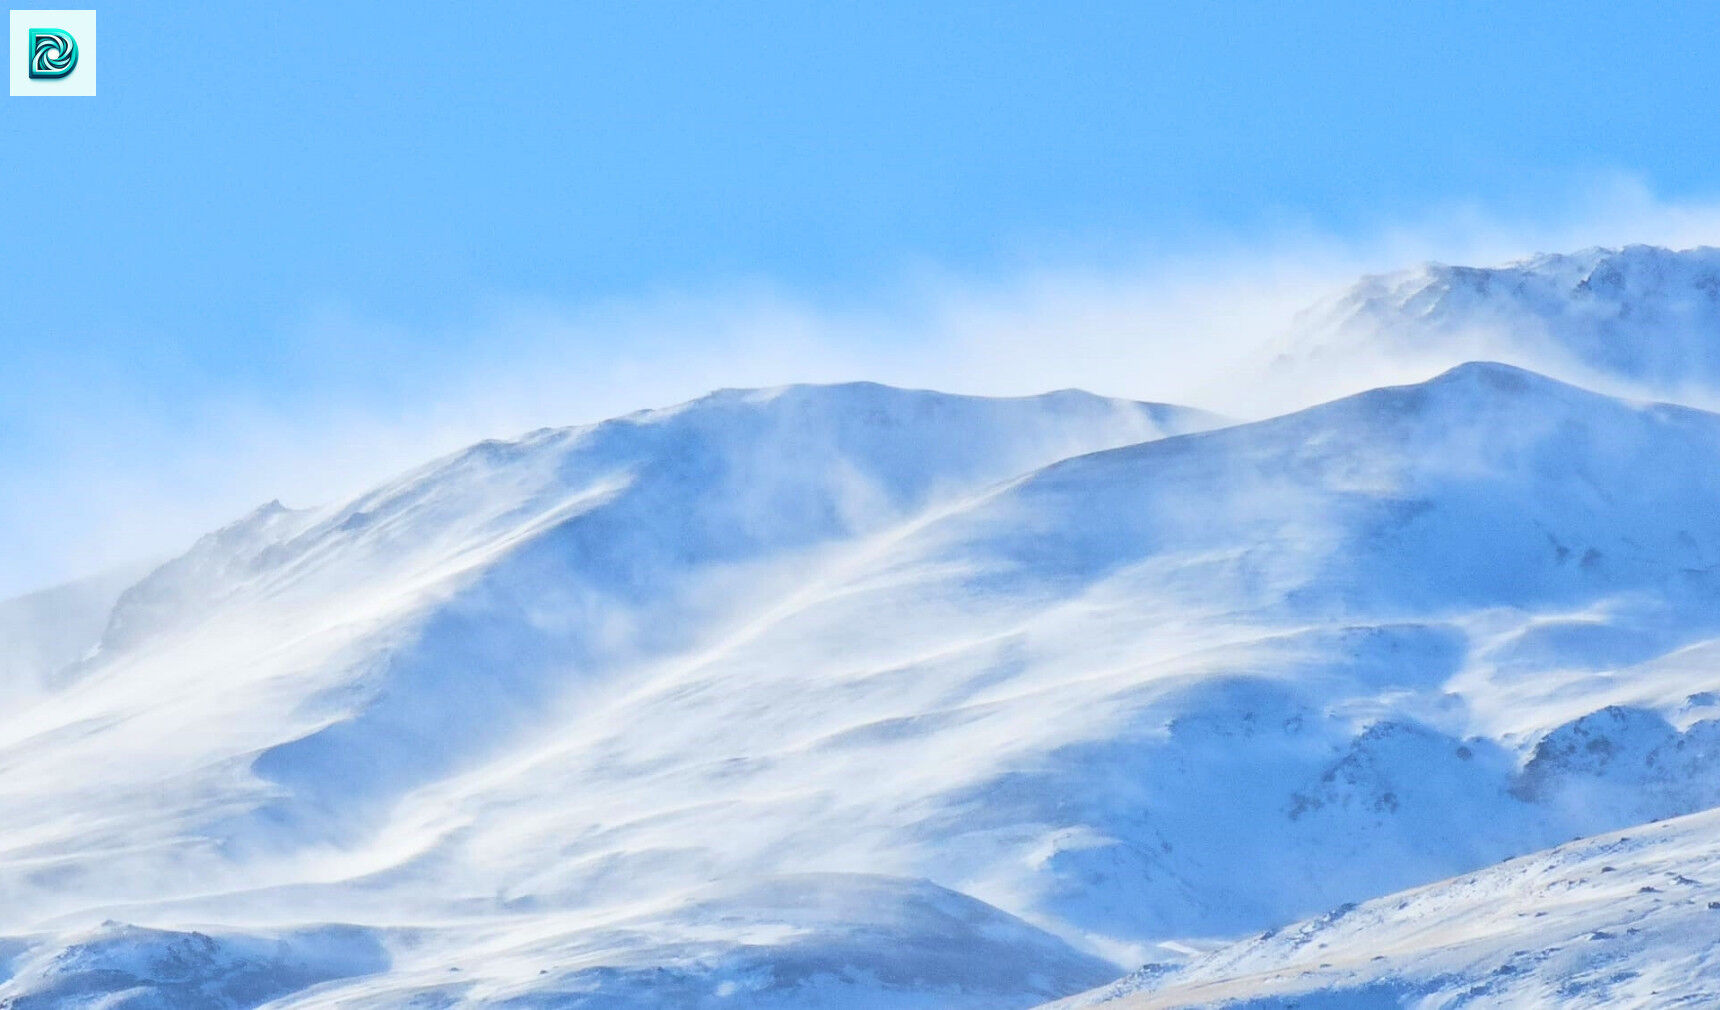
(854, 696)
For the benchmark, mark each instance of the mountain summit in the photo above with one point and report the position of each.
(858, 696)
(1641, 316)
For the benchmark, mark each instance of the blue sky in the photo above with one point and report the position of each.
(287, 236)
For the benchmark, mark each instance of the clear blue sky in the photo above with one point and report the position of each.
(247, 165)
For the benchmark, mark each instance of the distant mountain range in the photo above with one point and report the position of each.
(853, 696)
(1641, 320)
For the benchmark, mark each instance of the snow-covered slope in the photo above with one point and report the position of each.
(258, 709)
(860, 697)
(1640, 318)
(1624, 920)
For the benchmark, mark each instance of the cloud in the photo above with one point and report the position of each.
(126, 470)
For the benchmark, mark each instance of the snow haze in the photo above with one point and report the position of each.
(1350, 693)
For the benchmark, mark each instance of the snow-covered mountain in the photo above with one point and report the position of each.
(1640, 318)
(281, 721)
(862, 697)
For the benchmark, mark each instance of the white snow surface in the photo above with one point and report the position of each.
(854, 696)
(1625, 920)
(1639, 319)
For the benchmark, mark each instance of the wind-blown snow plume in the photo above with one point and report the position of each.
(858, 696)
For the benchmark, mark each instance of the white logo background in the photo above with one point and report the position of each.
(82, 25)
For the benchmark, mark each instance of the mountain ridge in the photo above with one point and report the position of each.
(1636, 320)
(722, 703)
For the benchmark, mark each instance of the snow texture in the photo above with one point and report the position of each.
(854, 696)
(1640, 318)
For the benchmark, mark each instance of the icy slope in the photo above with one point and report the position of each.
(1350, 625)
(256, 707)
(1640, 317)
(755, 702)
(1618, 921)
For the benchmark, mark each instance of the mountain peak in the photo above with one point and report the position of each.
(1643, 316)
(844, 695)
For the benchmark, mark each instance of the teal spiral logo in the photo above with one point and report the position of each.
(53, 53)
